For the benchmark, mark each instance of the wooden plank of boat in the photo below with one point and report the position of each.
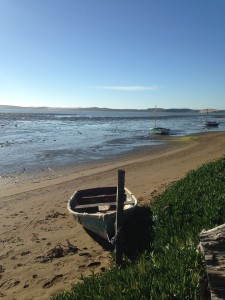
(100, 204)
(99, 196)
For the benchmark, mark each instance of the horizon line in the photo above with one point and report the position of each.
(106, 108)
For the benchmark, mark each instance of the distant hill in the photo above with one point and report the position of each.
(11, 107)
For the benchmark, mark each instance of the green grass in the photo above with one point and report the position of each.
(174, 269)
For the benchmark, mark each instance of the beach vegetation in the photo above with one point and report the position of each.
(174, 267)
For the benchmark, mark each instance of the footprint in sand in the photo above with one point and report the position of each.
(81, 267)
(25, 253)
(17, 266)
(16, 282)
(35, 238)
(54, 215)
(2, 269)
(2, 295)
(9, 283)
(85, 254)
(94, 264)
(54, 280)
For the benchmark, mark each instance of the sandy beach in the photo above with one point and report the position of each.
(34, 217)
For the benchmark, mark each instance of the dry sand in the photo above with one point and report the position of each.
(34, 217)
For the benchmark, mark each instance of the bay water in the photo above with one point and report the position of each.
(34, 139)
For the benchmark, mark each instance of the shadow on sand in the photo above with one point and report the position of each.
(137, 234)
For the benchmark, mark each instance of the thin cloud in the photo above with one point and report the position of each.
(128, 88)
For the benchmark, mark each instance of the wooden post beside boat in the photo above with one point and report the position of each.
(119, 217)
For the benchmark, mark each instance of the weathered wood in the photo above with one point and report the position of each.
(100, 196)
(119, 216)
(103, 203)
(212, 244)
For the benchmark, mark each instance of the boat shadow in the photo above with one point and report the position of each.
(137, 234)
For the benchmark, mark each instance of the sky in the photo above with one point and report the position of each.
(134, 54)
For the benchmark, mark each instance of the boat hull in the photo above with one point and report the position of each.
(212, 124)
(160, 130)
(102, 226)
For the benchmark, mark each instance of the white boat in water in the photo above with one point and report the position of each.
(159, 130)
(210, 123)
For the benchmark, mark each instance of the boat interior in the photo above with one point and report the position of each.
(98, 200)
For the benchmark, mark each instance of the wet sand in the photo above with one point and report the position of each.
(34, 218)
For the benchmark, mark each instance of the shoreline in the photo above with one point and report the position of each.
(34, 217)
(26, 181)
(16, 183)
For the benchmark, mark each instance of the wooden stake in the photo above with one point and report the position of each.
(121, 198)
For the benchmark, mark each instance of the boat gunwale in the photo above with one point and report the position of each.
(101, 214)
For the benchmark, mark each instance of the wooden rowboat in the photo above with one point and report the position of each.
(95, 209)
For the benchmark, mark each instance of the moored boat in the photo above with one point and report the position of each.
(210, 123)
(159, 130)
(95, 209)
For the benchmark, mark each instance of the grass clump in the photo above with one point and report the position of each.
(174, 268)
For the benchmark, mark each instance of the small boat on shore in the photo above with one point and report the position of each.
(95, 209)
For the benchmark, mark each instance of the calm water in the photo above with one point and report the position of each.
(43, 139)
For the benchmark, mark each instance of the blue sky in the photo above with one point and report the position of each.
(115, 54)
